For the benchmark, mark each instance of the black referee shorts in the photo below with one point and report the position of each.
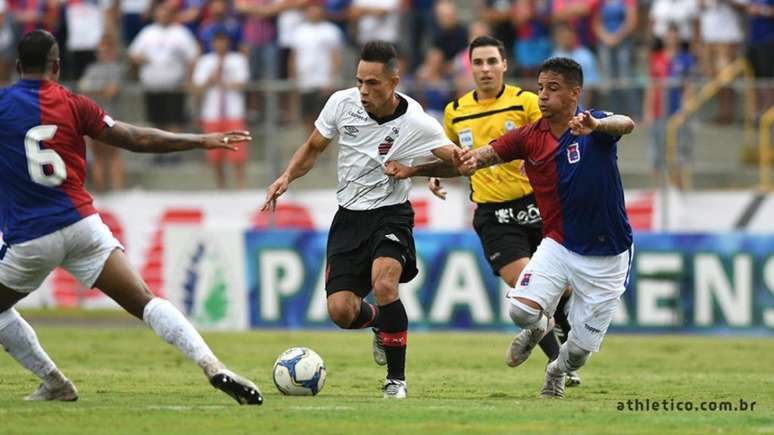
(508, 230)
(357, 238)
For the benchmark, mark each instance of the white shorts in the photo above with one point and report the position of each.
(81, 248)
(597, 283)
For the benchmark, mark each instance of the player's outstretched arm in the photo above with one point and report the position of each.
(614, 125)
(153, 140)
(469, 162)
(302, 161)
(436, 168)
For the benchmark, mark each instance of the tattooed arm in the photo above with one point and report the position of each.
(153, 140)
(436, 168)
(486, 156)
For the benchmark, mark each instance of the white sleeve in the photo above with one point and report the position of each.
(241, 72)
(327, 123)
(201, 71)
(426, 136)
(188, 44)
(138, 45)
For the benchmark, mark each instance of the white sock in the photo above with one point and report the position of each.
(19, 339)
(171, 325)
(553, 368)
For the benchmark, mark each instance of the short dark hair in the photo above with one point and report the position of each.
(382, 52)
(569, 69)
(33, 51)
(486, 41)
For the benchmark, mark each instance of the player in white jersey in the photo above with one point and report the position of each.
(370, 243)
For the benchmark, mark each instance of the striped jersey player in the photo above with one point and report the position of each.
(47, 218)
(570, 158)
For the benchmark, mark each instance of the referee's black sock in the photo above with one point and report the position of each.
(561, 318)
(368, 316)
(550, 345)
(394, 334)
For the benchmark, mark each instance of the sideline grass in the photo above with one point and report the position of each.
(131, 382)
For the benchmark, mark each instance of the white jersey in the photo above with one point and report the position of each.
(365, 144)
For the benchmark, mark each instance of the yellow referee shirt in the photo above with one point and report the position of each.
(473, 123)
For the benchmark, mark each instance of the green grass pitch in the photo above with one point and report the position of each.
(131, 382)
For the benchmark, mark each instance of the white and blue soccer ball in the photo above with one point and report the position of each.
(299, 372)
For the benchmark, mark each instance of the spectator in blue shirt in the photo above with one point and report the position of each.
(222, 21)
(613, 23)
(567, 45)
(760, 46)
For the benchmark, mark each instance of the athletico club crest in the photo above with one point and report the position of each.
(385, 146)
(573, 153)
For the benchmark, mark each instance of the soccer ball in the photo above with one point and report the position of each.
(299, 372)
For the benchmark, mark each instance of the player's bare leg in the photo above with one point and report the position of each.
(535, 324)
(385, 276)
(350, 311)
(120, 281)
(510, 274)
(19, 339)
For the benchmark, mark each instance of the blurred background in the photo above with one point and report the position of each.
(696, 75)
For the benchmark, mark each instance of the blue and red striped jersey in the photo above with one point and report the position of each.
(577, 185)
(43, 158)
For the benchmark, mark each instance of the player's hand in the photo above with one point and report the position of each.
(465, 161)
(275, 190)
(583, 124)
(434, 184)
(227, 141)
(397, 171)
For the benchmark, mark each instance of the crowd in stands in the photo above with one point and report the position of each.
(213, 49)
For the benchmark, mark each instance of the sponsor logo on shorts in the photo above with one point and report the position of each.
(591, 329)
(393, 237)
(495, 256)
(525, 279)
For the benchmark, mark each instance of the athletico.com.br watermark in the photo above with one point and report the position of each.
(672, 405)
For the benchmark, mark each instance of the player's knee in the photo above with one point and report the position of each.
(522, 314)
(385, 290)
(341, 312)
(572, 357)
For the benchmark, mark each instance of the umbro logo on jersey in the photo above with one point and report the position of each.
(359, 115)
(351, 130)
(573, 153)
(385, 146)
(393, 237)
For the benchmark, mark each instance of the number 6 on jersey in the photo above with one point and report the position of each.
(38, 158)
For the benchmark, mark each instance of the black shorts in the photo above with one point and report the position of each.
(508, 230)
(165, 108)
(760, 56)
(357, 238)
